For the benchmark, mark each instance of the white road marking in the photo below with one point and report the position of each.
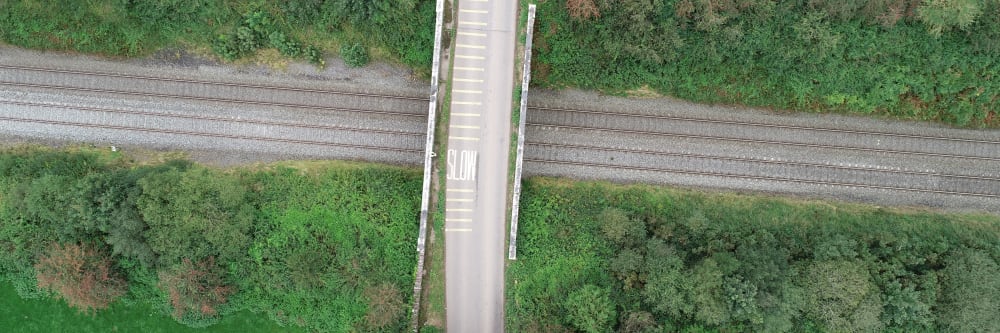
(462, 165)
(467, 91)
(464, 138)
(475, 11)
(471, 23)
(466, 103)
(458, 220)
(459, 56)
(457, 229)
(467, 80)
(458, 210)
(471, 69)
(465, 126)
(476, 34)
(459, 114)
(465, 190)
(459, 200)
(470, 46)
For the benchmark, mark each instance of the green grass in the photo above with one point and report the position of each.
(51, 315)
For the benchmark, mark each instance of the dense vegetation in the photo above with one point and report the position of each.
(330, 249)
(913, 59)
(598, 257)
(400, 30)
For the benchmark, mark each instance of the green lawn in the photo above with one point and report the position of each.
(51, 315)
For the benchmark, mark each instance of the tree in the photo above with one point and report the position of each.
(638, 322)
(81, 274)
(842, 296)
(970, 294)
(666, 284)
(195, 289)
(108, 203)
(195, 214)
(590, 309)
(620, 229)
(944, 15)
(706, 293)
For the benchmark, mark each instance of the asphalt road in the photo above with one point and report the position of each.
(477, 161)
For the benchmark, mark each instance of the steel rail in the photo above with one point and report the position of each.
(765, 178)
(205, 82)
(204, 134)
(757, 160)
(771, 142)
(214, 118)
(758, 124)
(211, 99)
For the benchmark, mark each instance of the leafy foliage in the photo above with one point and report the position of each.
(80, 274)
(355, 55)
(913, 59)
(401, 30)
(590, 310)
(728, 263)
(328, 250)
(195, 290)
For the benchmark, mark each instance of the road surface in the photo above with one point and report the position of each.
(477, 161)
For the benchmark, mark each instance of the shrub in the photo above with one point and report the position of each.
(80, 274)
(195, 289)
(590, 310)
(385, 305)
(355, 55)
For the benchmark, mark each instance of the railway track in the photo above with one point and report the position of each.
(548, 150)
(348, 121)
(205, 82)
(102, 83)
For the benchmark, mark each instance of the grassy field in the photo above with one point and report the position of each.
(597, 257)
(50, 315)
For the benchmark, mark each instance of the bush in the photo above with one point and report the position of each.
(355, 55)
(195, 290)
(80, 274)
(590, 310)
